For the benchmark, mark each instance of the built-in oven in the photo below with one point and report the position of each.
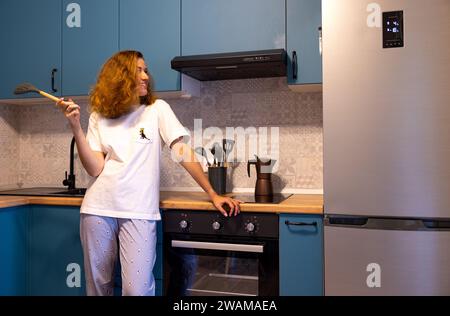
(206, 253)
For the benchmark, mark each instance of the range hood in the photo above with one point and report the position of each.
(239, 65)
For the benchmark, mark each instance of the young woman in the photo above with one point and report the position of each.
(122, 152)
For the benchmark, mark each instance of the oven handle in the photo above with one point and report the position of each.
(217, 246)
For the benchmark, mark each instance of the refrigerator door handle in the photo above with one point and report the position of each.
(332, 220)
(436, 224)
(411, 224)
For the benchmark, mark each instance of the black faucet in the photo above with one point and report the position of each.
(70, 180)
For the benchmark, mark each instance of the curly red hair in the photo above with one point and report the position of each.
(116, 89)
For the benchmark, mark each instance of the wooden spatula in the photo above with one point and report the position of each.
(28, 87)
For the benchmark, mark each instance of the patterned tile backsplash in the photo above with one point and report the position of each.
(9, 145)
(35, 139)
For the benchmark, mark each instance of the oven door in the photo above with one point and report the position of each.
(220, 266)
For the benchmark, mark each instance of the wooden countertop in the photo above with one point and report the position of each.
(9, 201)
(297, 203)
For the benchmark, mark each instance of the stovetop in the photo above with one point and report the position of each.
(276, 198)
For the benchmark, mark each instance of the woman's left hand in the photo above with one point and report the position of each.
(222, 203)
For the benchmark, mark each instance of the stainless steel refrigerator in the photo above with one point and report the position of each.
(386, 102)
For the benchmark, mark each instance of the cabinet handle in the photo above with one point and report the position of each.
(294, 65)
(54, 70)
(320, 40)
(300, 223)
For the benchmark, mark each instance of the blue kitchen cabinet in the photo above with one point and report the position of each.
(153, 28)
(301, 254)
(30, 33)
(157, 270)
(217, 26)
(303, 19)
(55, 253)
(13, 250)
(57, 45)
(90, 35)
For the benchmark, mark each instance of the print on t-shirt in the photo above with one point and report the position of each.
(141, 132)
(142, 137)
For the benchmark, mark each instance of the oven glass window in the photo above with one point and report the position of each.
(198, 273)
(224, 276)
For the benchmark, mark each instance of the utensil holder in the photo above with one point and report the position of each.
(218, 178)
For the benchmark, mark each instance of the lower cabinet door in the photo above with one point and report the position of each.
(158, 289)
(55, 265)
(13, 250)
(301, 254)
(55, 253)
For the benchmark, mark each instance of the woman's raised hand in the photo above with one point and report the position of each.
(71, 111)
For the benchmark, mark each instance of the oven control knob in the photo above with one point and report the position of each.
(216, 225)
(184, 224)
(250, 227)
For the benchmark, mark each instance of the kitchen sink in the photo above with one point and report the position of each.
(46, 191)
(80, 191)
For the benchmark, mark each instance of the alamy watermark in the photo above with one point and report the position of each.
(373, 279)
(74, 277)
(248, 142)
(74, 17)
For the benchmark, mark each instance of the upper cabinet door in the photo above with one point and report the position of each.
(216, 26)
(30, 37)
(90, 37)
(303, 21)
(153, 28)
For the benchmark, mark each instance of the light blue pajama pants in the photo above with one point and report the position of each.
(136, 239)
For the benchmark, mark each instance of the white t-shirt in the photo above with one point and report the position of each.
(128, 186)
